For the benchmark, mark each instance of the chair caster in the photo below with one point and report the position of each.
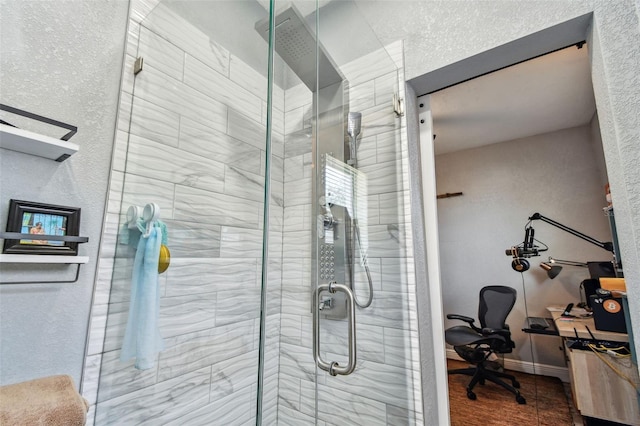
(481, 382)
(516, 384)
(520, 399)
(471, 395)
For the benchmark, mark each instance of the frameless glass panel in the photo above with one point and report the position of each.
(345, 171)
(192, 140)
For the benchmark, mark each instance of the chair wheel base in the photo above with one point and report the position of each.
(520, 399)
(471, 395)
(516, 384)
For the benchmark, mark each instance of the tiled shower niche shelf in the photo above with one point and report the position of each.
(27, 142)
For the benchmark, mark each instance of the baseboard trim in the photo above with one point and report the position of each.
(561, 373)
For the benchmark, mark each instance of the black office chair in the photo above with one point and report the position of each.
(475, 344)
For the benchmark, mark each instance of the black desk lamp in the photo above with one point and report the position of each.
(553, 268)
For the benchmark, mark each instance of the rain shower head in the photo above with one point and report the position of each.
(295, 42)
(354, 120)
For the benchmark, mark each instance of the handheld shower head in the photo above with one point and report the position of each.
(354, 120)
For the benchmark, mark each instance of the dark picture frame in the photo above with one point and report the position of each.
(28, 218)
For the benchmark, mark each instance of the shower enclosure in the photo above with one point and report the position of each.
(290, 297)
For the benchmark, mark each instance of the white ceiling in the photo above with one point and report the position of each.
(546, 94)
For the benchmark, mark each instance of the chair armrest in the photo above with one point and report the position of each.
(466, 319)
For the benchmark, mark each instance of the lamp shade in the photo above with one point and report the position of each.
(552, 270)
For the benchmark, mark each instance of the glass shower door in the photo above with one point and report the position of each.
(349, 339)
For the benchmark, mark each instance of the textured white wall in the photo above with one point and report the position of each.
(62, 60)
(555, 174)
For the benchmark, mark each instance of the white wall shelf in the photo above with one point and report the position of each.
(37, 258)
(43, 259)
(21, 140)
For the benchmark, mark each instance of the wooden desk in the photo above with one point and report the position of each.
(566, 326)
(597, 390)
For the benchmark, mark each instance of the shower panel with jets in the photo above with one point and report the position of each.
(269, 310)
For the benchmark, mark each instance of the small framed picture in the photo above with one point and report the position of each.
(37, 221)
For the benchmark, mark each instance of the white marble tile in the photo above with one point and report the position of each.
(289, 392)
(395, 207)
(390, 147)
(216, 145)
(233, 306)
(386, 177)
(398, 274)
(389, 309)
(160, 54)
(402, 416)
(119, 378)
(245, 76)
(296, 244)
(307, 162)
(186, 314)
(399, 350)
(196, 350)
(247, 130)
(157, 161)
(293, 168)
(368, 67)
(140, 9)
(241, 243)
(297, 192)
(291, 329)
(154, 122)
(141, 190)
(294, 120)
(294, 219)
(353, 409)
(196, 205)
(188, 38)
(379, 119)
(234, 409)
(385, 87)
(395, 50)
(234, 374)
(297, 361)
(90, 378)
(297, 96)
(362, 96)
(297, 143)
(124, 110)
(120, 146)
(199, 276)
(157, 404)
(133, 34)
(180, 98)
(378, 382)
(204, 79)
(97, 329)
(373, 205)
(367, 151)
(243, 184)
(189, 239)
(389, 241)
(109, 235)
(115, 192)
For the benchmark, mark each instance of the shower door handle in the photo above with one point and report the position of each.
(333, 367)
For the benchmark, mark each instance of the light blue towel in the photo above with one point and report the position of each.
(142, 339)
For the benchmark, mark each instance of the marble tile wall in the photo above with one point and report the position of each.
(191, 138)
(385, 387)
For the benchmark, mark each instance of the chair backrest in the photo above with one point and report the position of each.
(496, 302)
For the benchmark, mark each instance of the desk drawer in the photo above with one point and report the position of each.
(599, 392)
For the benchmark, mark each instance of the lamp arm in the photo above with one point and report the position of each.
(606, 245)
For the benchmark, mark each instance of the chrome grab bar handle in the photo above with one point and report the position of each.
(334, 368)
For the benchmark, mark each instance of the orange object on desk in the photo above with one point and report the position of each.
(613, 284)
